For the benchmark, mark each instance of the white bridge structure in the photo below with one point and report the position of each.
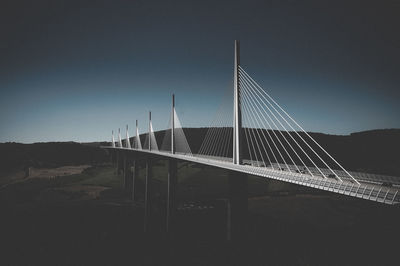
(263, 140)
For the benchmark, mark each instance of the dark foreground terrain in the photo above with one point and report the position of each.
(52, 213)
(89, 219)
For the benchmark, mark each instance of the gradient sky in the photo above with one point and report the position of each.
(75, 70)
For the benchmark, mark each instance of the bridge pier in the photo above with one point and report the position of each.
(134, 170)
(125, 171)
(117, 162)
(111, 153)
(128, 161)
(171, 193)
(237, 207)
(147, 196)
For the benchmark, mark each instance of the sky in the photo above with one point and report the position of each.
(75, 70)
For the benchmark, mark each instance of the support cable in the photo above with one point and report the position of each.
(215, 141)
(255, 93)
(319, 170)
(204, 149)
(209, 140)
(256, 124)
(269, 135)
(166, 143)
(273, 131)
(248, 146)
(226, 139)
(283, 136)
(246, 112)
(301, 128)
(181, 137)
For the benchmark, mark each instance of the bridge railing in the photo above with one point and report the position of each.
(378, 193)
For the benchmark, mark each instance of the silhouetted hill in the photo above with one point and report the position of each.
(374, 151)
(50, 154)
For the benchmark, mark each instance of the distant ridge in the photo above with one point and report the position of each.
(373, 151)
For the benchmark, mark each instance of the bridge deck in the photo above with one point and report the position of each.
(368, 191)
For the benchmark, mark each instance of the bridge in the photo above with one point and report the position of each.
(261, 139)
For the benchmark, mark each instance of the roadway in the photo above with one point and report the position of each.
(364, 190)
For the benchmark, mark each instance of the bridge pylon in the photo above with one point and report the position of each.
(237, 110)
(173, 125)
(112, 139)
(172, 175)
(128, 143)
(149, 130)
(119, 138)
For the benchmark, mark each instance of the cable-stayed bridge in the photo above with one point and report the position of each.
(259, 138)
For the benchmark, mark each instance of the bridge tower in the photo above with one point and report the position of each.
(128, 142)
(148, 185)
(135, 167)
(237, 203)
(173, 125)
(150, 131)
(237, 110)
(112, 139)
(119, 138)
(172, 174)
(138, 142)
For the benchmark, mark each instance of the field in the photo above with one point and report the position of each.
(89, 219)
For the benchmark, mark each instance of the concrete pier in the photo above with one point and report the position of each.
(237, 206)
(147, 196)
(171, 193)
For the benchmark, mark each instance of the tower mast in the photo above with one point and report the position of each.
(237, 110)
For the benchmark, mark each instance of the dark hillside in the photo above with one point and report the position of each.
(374, 151)
(16, 156)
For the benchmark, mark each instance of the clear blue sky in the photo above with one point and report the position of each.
(75, 70)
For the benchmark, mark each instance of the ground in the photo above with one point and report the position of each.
(89, 219)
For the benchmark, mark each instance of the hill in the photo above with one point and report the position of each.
(17, 156)
(373, 151)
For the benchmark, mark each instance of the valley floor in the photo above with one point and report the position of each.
(88, 219)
